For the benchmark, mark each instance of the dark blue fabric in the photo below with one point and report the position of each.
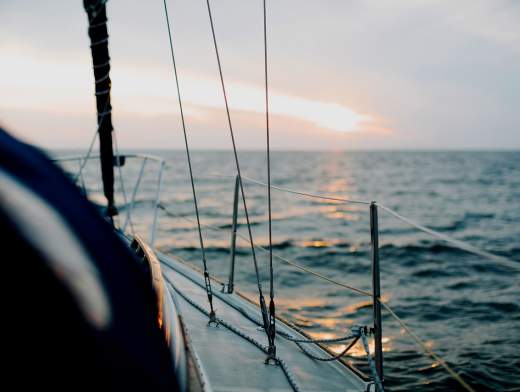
(132, 353)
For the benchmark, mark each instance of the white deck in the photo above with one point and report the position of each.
(230, 363)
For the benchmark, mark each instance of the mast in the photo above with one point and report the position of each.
(97, 31)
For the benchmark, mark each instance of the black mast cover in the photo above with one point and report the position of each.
(96, 11)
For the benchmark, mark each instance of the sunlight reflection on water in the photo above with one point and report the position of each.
(439, 291)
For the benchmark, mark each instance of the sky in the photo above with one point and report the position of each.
(343, 74)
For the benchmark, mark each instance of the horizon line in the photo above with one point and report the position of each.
(464, 149)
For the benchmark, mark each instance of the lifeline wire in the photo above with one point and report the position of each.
(259, 323)
(427, 350)
(89, 152)
(306, 194)
(414, 337)
(134, 193)
(121, 181)
(459, 244)
(354, 336)
(275, 255)
(207, 280)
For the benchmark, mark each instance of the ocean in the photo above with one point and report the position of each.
(466, 308)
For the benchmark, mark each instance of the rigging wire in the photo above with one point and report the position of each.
(463, 245)
(390, 311)
(272, 311)
(87, 154)
(237, 163)
(426, 349)
(287, 190)
(414, 337)
(207, 280)
(130, 208)
(240, 333)
(311, 195)
(259, 323)
(275, 255)
(457, 243)
(354, 337)
(121, 181)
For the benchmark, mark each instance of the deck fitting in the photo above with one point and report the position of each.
(271, 357)
(213, 320)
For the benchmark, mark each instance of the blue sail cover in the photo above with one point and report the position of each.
(80, 312)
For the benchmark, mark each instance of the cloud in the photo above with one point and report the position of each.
(60, 85)
(425, 74)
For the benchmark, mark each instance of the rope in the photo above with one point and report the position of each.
(371, 364)
(427, 350)
(237, 331)
(237, 163)
(102, 79)
(355, 335)
(279, 332)
(392, 313)
(416, 339)
(207, 280)
(328, 359)
(457, 243)
(102, 64)
(325, 341)
(316, 274)
(103, 41)
(103, 92)
(96, 25)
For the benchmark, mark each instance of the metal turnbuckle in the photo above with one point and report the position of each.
(271, 357)
(213, 320)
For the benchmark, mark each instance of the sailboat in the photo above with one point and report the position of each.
(214, 340)
(227, 343)
(151, 321)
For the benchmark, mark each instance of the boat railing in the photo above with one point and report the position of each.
(119, 160)
(375, 294)
(373, 208)
(374, 235)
